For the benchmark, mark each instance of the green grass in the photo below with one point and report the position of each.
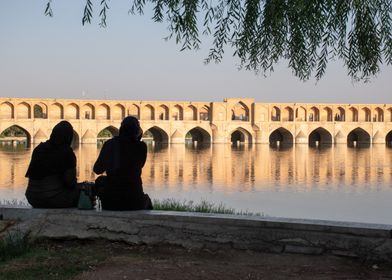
(171, 204)
(13, 244)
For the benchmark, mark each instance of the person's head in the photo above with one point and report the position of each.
(62, 134)
(130, 128)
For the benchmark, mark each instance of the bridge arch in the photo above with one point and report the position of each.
(14, 132)
(106, 133)
(40, 111)
(23, 111)
(190, 113)
(282, 135)
(134, 111)
(326, 114)
(200, 135)
(148, 112)
(6, 110)
(177, 113)
(56, 111)
(388, 117)
(321, 136)
(379, 115)
(314, 115)
(358, 136)
(241, 135)
(353, 117)
(275, 114)
(240, 112)
(72, 111)
(288, 114)
(88, 111)
(204, 113)
(118, 112)
(300, 114)
(388, 139)
(163, 112)
(365, 115)
(157, 134)
(103, 112)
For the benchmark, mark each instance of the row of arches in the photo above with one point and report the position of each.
(103, 111)
(278, 137)
(353, 114)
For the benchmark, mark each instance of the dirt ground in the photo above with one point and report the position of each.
(168, 262)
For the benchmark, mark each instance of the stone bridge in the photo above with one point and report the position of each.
(235, 120)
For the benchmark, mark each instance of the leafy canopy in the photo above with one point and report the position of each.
(306, 33)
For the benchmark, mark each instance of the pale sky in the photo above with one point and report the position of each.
(57, 57)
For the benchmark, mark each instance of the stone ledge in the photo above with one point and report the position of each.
(213, 231)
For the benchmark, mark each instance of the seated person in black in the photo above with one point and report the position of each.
(122, 158)
(52, 171)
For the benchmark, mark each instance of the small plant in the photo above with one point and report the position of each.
(13, 244)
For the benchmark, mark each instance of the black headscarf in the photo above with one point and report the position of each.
(130, 129)
(55, 155)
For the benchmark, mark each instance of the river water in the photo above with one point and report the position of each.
(330, 183)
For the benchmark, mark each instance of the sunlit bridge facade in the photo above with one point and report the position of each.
(236, 121)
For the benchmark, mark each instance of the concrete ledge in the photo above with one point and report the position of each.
(212, 231)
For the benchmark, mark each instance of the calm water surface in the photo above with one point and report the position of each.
(332, 183)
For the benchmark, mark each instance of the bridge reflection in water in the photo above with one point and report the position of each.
(324, 182)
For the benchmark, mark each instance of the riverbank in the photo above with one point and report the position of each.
(117, 260)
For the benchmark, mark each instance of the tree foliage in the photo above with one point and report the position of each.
(306, 33)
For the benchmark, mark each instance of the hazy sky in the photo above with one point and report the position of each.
(59, 58)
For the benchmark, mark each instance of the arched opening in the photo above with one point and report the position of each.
(72, 111)
(197, 136)
(388, 139)
(56, 111)
(281, 137)
(103, 112)
(177, 113)
(163, 113)
(275, 114)
(106, 134)
(353, 115)
(326, 114)
(340, 116)
(6, 111)
(379, 115)
(319, 136)
(300, 114)
(75, 140)
(16, 136)
(240, 136)
(190, 113)
(288, 114)
(389, 116)
(23, 111)
(365, 115)
(358, 138)
(40, 111)
(88, 111)
(204, 113)
(155, 135)
(148, 113)
(240, 112)
(118, 112)
(314, 115)
(134, 111)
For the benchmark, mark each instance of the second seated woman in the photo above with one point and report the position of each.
(122, 158)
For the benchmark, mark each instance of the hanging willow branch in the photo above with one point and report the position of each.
(306, 33)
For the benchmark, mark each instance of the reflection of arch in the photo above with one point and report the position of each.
(6, 110)
(241, 135)
(103, 112)
(275, 114)
(148, 112)
(72, 111)
(200, 135)
(190, 113)
(320, 136)
(281, 136)
(358, 136)
(353, 115)
(288, 114)
(158, 135)
(16, 132)
(56, 111)
(23, 111)
(300, 114)
(388, 139)
(365, 115)
(177, 113)
(40, 111)
(163, 113)
(118, 112)
(204, 113)
(314, 115)
(326, 114)
(240, 112)
(88, 112)
(379, 115)
(134, 111)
